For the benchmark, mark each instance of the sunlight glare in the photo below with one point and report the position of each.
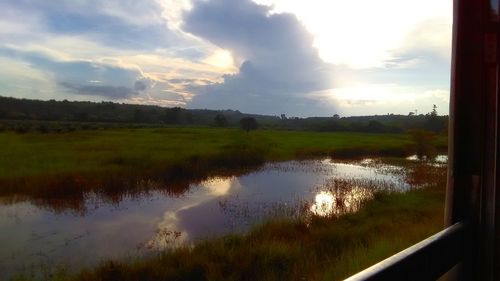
(323, 204)
(221, 59)
(327, 203)
(362, 33)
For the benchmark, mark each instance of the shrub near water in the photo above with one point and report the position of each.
(424, 143)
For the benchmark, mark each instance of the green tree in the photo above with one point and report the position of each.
(434, 110)
(140, 116)
(424, 143)
(220, 120)
(172, 115)
(248, 124)
(434, 123)
(375, 127)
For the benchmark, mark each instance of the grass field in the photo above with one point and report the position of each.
(28, 155)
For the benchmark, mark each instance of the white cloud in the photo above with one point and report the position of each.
(21, 78)
(389, 98)
(173, 11)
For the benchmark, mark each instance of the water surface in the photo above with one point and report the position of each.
(34, 237)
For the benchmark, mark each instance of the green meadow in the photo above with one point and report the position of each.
(142, 150)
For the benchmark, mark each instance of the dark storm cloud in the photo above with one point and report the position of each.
(279, 65)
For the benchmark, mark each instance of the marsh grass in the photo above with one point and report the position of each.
(115, 161)
(140, 149)
(59, 170)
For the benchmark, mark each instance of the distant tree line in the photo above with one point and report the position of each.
(148, 115)
(390, 123)
(76, 111)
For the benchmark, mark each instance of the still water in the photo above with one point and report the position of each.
(34, 237)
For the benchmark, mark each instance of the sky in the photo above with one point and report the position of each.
(294, 57)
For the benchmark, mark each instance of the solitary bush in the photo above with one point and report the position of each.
(424, 142)
(248, 124)
(22, 129)
(220, 120)
(42, 128)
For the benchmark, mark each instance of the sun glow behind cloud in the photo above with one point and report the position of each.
(390, 54)
(222, 59)
(362, 33)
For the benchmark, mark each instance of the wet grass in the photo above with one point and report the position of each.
(58, 170)
(111, 150)
(320, 248)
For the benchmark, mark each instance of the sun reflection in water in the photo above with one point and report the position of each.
(327, 203)
(323, 204)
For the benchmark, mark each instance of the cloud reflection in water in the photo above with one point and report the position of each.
(169, 233)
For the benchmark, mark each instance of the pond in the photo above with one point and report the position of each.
(35, 237)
